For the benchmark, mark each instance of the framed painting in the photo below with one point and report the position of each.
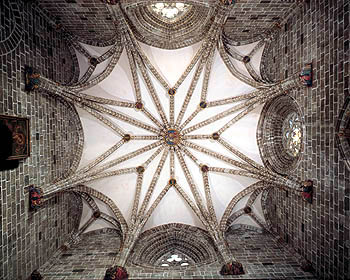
(19, 129)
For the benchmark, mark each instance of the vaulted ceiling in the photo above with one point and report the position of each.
(170, 111)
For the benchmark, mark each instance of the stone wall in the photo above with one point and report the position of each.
(261, 255)
(28, 239)
(318, 33)
(89, 259)
(90, 21)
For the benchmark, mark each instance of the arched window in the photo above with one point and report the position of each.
(170, 11)
(280, 134)
(175, 259)
(292, 133)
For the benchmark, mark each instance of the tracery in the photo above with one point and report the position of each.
(170, 11)
(291, 131)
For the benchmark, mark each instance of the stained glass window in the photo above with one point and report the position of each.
(292, 134)
(170, 11)
(174, 259)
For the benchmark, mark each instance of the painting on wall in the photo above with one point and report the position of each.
(18, 129)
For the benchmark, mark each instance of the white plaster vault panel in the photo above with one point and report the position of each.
(119, 86)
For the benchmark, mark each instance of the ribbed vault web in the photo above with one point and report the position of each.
(166, 135)
(172, 208)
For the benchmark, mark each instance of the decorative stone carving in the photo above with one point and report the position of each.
(247, 210)
(215, 136)
(127, 137)
(172, 182)
(232, 268)
(171, 91)
(139, 105)
(116, 273)
(140, 169)
(93, 61)
(306, 75)
(203, 104)
(246, 59)
(307, 190)
(32, 81)
(97, 214)
(172, 137)
(204, 168)
(35, 195)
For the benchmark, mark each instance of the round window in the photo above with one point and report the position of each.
(292, 134)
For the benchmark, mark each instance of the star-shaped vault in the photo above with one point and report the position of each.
(170, 147)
